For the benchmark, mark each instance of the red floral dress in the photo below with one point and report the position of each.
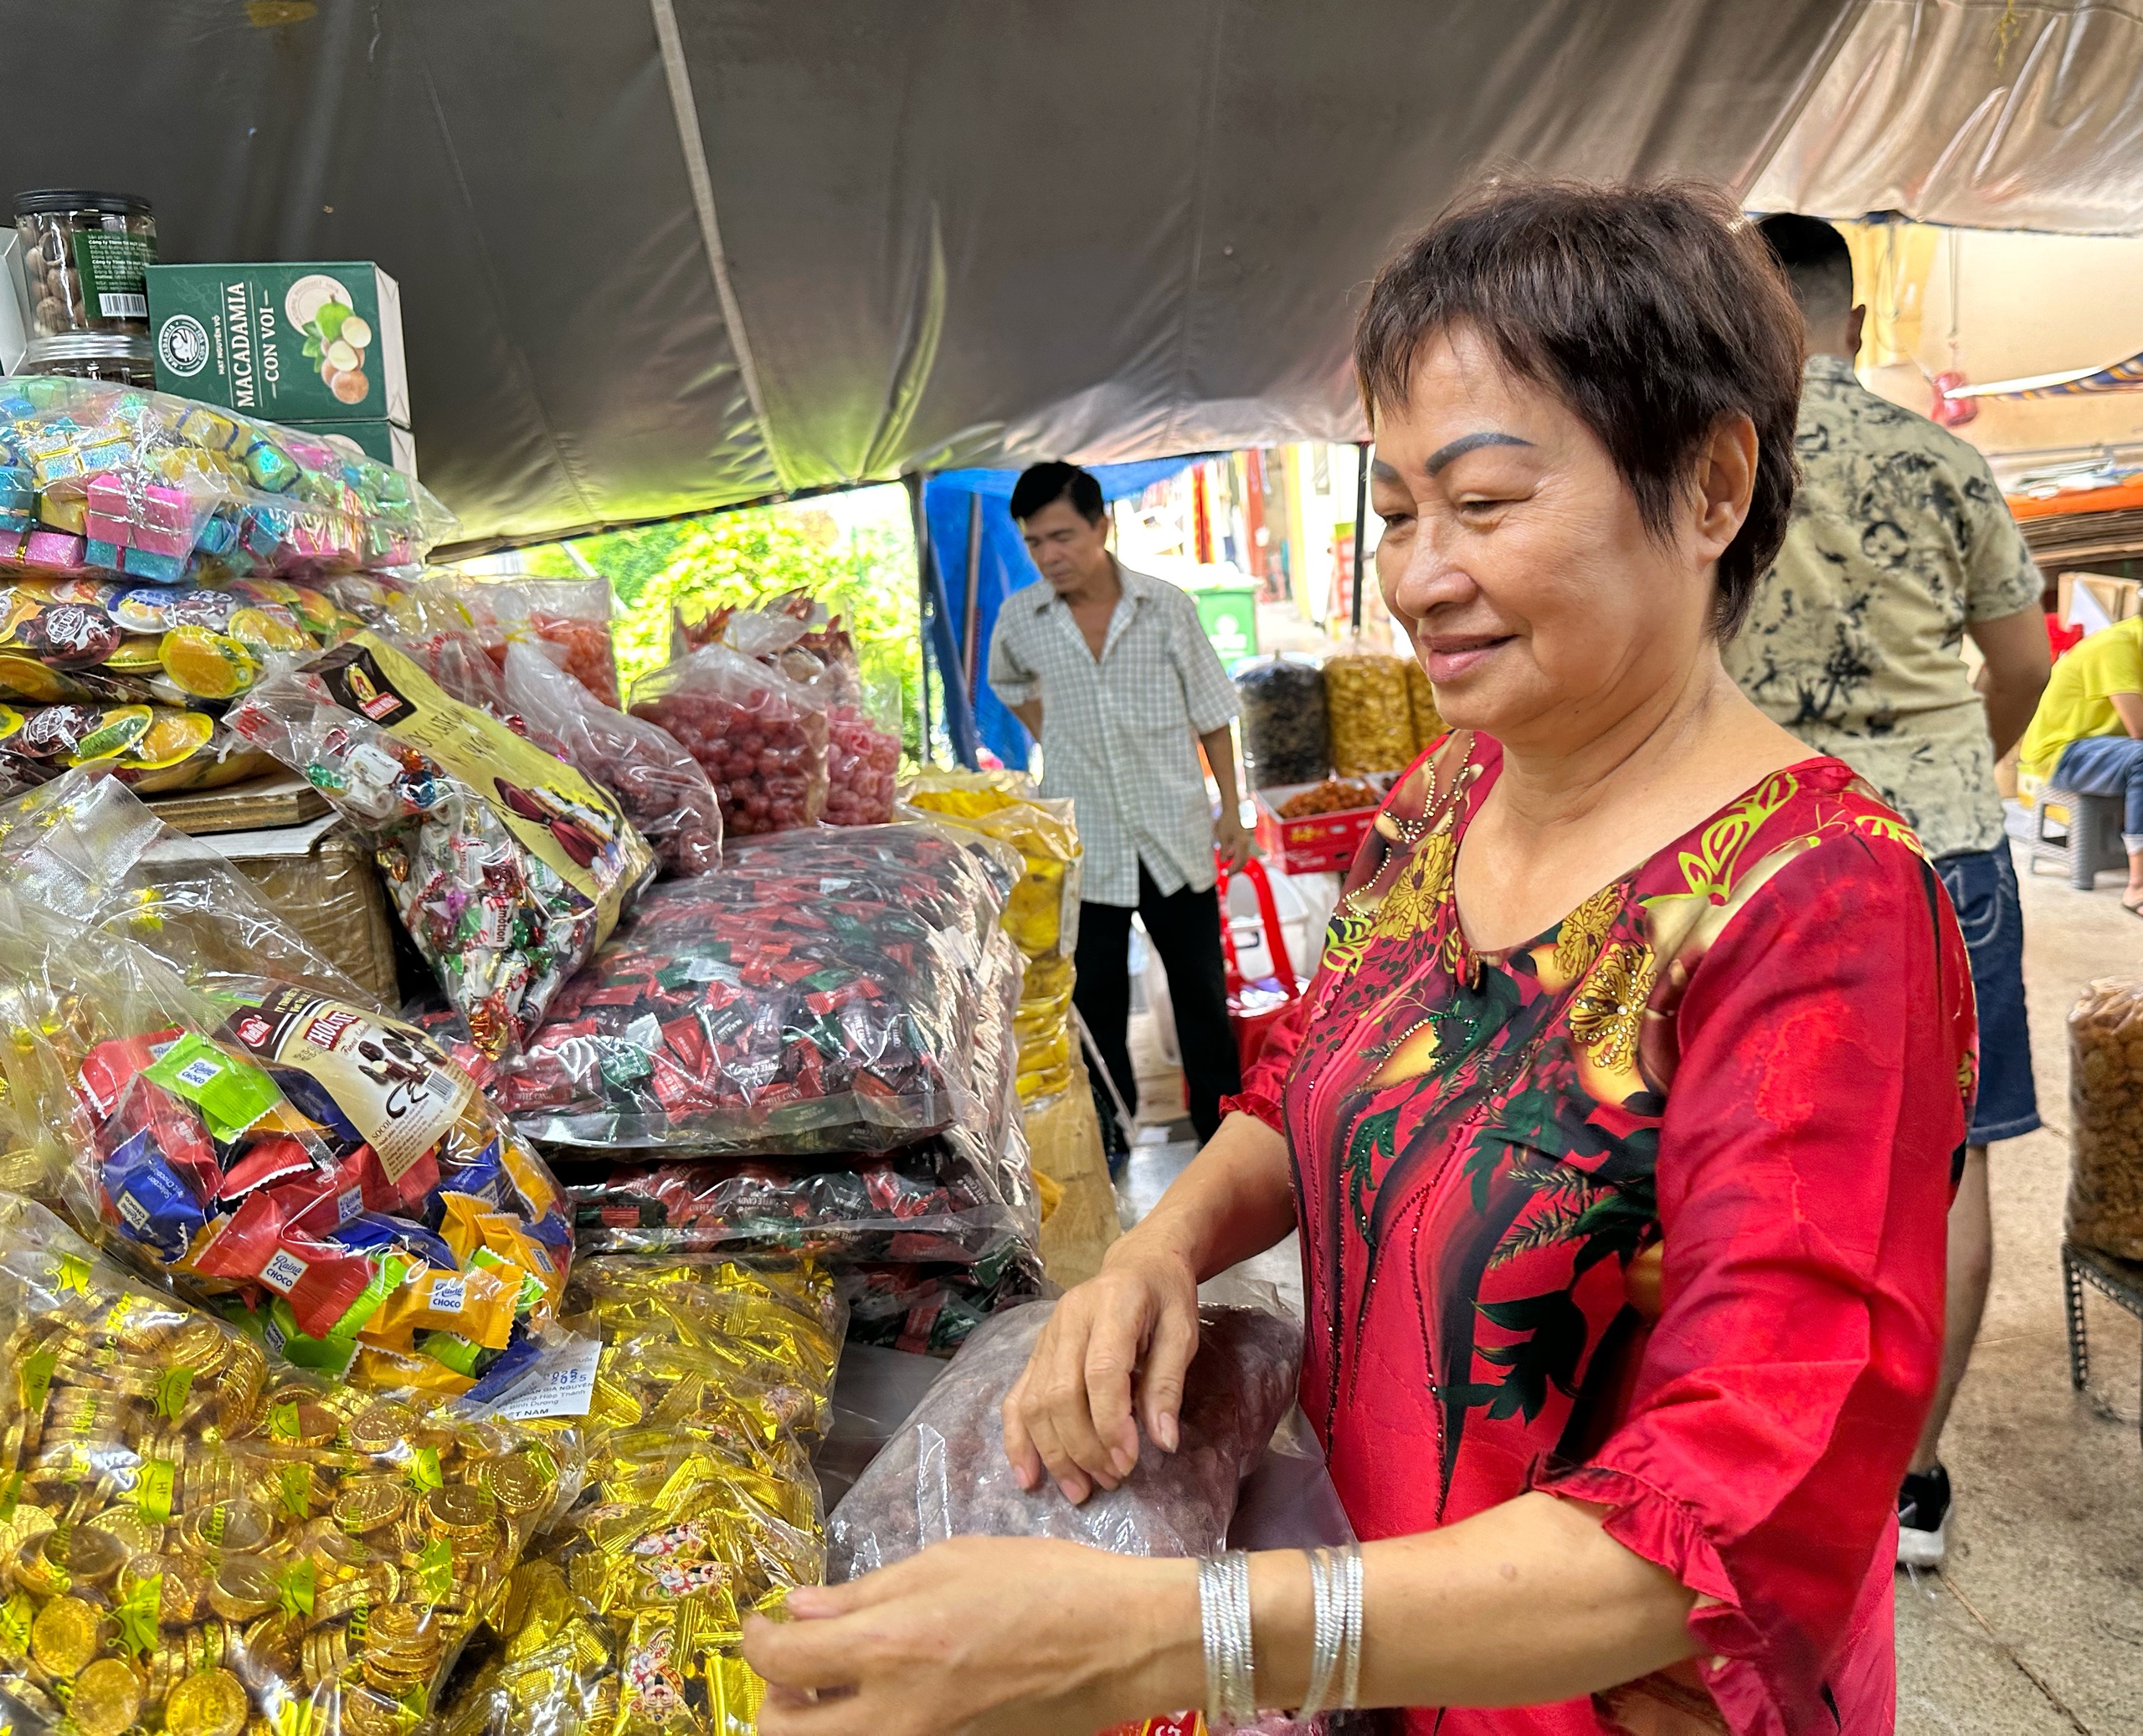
(1649, 1212)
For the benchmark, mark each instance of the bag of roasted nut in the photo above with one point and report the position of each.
(2105, 1115)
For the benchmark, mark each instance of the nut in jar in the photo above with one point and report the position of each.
(2105, 1114)
(187, 1545)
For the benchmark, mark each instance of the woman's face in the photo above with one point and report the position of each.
(1541, 608)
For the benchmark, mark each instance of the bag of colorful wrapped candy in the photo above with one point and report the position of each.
(197, 1543)
(700, 1505)
(761, 737)
(932, 1310)
(820, 992)
(663, 790)
(263, 1139)
(507, 866)
(97, 480)
(946, 1475)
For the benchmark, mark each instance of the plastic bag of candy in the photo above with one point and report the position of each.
(700, 1506)
(821, 992)
(153, 748)
(98, 478)
(932, 1310)
(1370, 711)
(507, 866)
(200, 1544)
(760, 736)
(663, 790)
(945, 1474)
(569, 617)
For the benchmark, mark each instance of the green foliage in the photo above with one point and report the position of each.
(861, 563)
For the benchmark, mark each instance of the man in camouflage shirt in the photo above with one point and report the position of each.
(1900, 545)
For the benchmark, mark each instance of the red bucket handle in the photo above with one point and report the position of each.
(1268, 913)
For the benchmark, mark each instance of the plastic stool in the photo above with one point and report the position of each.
(2120, 1281)
(2087, 834)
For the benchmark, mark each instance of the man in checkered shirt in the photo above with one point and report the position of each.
(1112, 673)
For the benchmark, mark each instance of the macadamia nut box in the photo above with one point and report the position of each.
(286, 343)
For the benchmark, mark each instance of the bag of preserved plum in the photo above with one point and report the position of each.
(760, 736)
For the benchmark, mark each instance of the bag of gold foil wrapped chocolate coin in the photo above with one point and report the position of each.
(699, 1504)
(194, 1541)
(270, 1144)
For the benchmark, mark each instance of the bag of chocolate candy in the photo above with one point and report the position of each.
(945, 1474)
(267, 1144)
(197, 1541)
(99, 480)
(507, 866)
(932, 1310)
(823, 991)
(699, 1505)
(663, 790)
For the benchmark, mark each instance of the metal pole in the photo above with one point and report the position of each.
(913, 484)
(971, 603)
(1361, 520)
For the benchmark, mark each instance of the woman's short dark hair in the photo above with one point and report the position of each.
(1653, 312)
(1044, 485)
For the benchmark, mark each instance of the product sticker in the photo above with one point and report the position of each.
(447, 1295)
(140, 1613)
(152, 1492)
(389, 1080)
(561, 1384)
(282, 1271)
(112, 263)
(424, 1470)
(172, 1386)
(555, 812)
(37, 1370)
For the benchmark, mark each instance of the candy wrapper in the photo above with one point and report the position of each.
(1042, 915)
(153, 748)
(945, 1474)
(1371, 715)
(508, 867)
(663, 790)
(700, 1506)
(760, 736)
(199, 1544)
(932, 1310)
(102, 479)
(821, 992)
(304, 1163)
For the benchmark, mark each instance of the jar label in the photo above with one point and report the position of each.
(111, 265)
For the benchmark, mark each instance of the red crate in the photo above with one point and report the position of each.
(1320, 843)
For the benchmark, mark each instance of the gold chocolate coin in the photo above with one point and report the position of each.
(107, 1697)
(135, 1534)
(515, 1482)
(245, 1586)
(63, 1637)
(380, 1428)
(366, 1505)
(212, 1704)
(459, 1508)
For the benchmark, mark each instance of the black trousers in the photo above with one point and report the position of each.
(1185, 930)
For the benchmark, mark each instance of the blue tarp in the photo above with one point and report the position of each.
(1003, 568)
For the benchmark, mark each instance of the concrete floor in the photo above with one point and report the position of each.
(2035, 1625)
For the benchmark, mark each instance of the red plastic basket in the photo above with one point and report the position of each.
(1251, 1010)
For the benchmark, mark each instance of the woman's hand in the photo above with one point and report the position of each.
(1072, 1411)
(982, 1633)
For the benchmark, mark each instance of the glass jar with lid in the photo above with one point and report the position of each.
(82, 257)
(119, 357)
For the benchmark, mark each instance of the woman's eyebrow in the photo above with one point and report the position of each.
(1467, 442)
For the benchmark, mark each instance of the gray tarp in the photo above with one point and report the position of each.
(664, 255)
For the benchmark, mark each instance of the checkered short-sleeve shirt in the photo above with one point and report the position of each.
(1119, 733)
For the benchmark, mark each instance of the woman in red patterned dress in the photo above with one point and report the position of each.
(1618, 1123)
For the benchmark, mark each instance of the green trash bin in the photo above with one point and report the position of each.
(1229, 615)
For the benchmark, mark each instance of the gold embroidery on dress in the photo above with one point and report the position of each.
(1412, 902)
(1584, 930)
(1607, 1011)
(1708, 870)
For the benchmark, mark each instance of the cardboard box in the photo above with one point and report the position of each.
(2092, 600)
(384, 441)
(284, 342)
(14, 304)
(1318, 843)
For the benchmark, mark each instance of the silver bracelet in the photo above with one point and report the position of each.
(1327, 1622)
(1350, 1562)
(1224, 1622)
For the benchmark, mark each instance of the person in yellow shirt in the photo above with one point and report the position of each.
(2087, 734)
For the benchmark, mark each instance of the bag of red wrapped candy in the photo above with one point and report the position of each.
(761, 737)
(821, 992)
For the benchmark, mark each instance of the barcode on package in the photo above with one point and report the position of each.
(122, 306)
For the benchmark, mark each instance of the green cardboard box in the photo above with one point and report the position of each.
(388, 442)
(289, 343)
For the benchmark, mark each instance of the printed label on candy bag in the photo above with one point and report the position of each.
(563, 1384)
(556, 815)
(282, 1271)
(395, 1085)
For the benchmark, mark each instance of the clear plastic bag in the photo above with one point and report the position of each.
(267, 1145)
(570, 617)
(199, 1543)
(932, 1310)
(2105, 1118)
(1421, 701)
(821, 992)
(507, 866)
(1370, 714)
(98, 478)
(154, 749)
(945, 1474)
(699, 1506)
(1284, 738)
(760, 736)
(663, 790)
